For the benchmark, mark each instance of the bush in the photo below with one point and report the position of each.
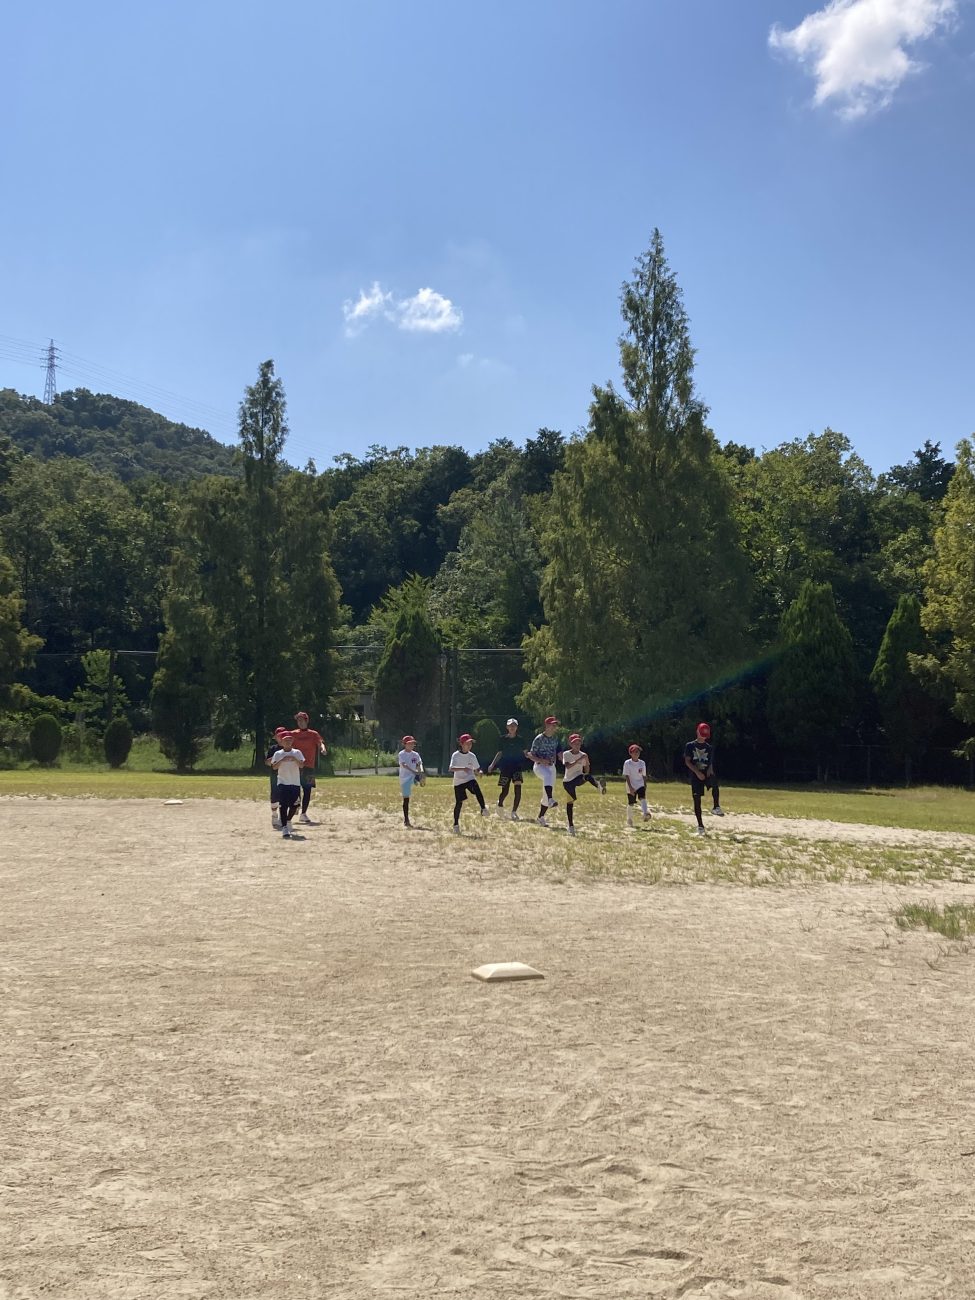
(45, 739)
(117, 741)
(487, 740)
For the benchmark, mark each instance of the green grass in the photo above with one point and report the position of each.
(954, 920)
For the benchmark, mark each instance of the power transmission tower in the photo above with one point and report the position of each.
(51, 381)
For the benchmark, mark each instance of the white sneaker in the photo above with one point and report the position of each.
(306, 820)
(701, 830)
(515, 817)
(485, 812)
(602, 787)
(455, 830)
(717, 812)
(552, 803)
(572, 830)
(541, 821)
(276, 823)
(286, 833)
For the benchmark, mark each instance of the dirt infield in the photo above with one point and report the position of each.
(233, 1067)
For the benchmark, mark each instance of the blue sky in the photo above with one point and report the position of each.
(191, 188)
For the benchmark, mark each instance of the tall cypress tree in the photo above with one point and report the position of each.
(645, 589)
(812, 688)
(907, 710)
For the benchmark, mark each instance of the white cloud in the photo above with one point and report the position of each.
(857, 49)
(369, 303)
(427, 312)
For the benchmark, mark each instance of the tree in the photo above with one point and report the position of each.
(45, 739)
(91, 698)
(949, 612)
(928, 475)
(117, 741)
(406, 678)
(812, 687)
(907, 711)
(644, 589)
(253, 569)
(17, 646)
(185, 684)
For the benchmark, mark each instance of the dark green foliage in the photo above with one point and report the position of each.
(17, 646)
(812, 688)
(907, 711)
(487, 738)
(117, 741)
(407, 677)
(645, 589)
(112, 436)
(927, 475)
(45, 739)
(184, 685)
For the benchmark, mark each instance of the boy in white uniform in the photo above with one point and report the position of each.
(635, 771)
(466, 769)
(576, 764)
(410, 774)
(288, 762)
(543, 753)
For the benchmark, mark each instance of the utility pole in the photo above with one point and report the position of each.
(51, 379)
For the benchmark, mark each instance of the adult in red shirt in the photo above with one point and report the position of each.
(311, 745)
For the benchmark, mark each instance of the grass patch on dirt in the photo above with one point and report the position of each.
(953, 921)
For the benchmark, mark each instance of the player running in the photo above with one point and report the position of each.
(576, 764)
(311, 745)
(635, 771)
(466, 770)
(699, 761)
(509, 761)
(543, 753)
(410, 774)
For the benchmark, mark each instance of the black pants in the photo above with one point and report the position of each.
(460, 794)
(697, 793)
(505, 781)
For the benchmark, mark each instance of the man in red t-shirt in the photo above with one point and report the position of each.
(311, 745)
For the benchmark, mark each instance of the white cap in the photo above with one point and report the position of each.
(512, 722)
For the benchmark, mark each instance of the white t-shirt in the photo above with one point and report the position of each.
(410, 763)
(289, 771)
(574, 764)
(469, 764)
(635, 771)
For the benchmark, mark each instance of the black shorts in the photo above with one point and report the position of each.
(701, 783)
(633, 795)
(570, 787)
(508, 774)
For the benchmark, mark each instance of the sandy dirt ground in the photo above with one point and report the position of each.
(233, 1067)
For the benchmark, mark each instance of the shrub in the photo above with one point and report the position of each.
(45, 739)
(487, 740)
(117, 741)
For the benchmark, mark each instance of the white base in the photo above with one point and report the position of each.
(496, 971)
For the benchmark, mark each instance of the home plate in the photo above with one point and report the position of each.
(496, 971)
(168, 803)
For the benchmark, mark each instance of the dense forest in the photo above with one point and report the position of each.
(632, 578)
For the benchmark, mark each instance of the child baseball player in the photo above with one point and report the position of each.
(635, 771)
(466, 770)
(272, 749)
(699, 761)
(509, 761)
(543, 753)
(576, 764)
(288, 762)
(410, 774)
(311, 745)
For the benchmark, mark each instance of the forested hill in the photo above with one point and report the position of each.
(111, 435)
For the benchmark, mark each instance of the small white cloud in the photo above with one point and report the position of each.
(465, 359)
(427, 312)
(857, 49)
(369, 304)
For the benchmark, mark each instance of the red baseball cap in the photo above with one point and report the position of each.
(281, 731)
(407, 739)
(466, 736)
(703, 729)
(575, 736)
(550, 721)
(634, 749)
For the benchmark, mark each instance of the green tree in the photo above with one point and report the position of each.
(185, 683)
(812, 687)
(907, 711)
(91, 698)
(949, 612)
(17, 646)
(117, 741)
(644, 590)
(407, 675)
(45, 739)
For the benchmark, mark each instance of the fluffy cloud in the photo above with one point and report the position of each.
(857, 49)
(427, 312)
